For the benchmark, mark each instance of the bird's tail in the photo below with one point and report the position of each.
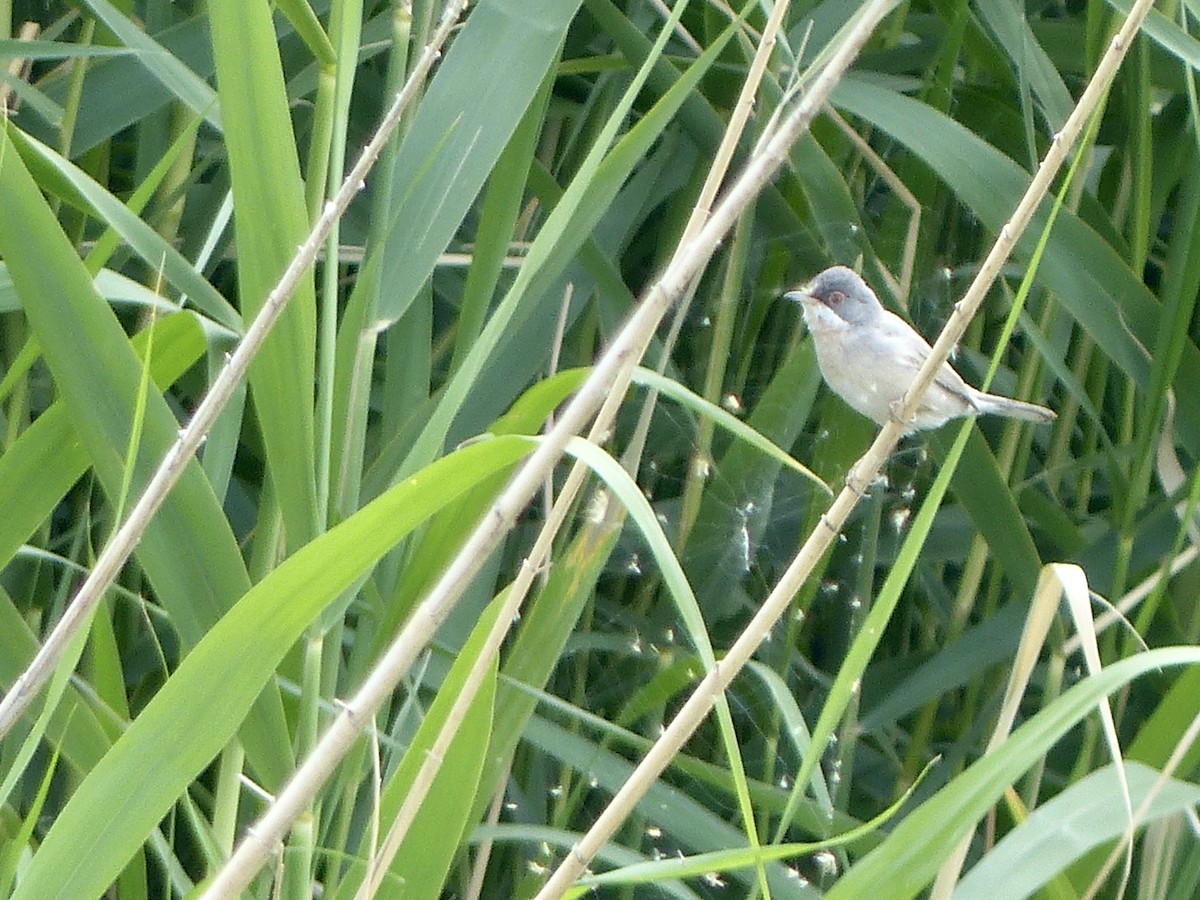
(1013, 409)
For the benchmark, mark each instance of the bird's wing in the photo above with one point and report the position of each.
(914, 349)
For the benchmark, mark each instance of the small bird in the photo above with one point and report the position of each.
(870, 357)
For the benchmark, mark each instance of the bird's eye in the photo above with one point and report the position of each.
(836, 297)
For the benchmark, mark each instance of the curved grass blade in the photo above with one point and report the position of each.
(201, 706)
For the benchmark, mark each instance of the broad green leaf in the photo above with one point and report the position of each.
(1011, 28)
(271, 221)
(202, 705)
(1166, 33)
(993, 511)
(460, 129)
(736, 509)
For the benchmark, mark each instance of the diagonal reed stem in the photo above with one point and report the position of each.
(609, 378)
(862, 473)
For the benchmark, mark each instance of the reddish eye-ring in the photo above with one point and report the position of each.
(836, 297)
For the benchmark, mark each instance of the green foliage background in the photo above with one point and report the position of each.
(159, 166)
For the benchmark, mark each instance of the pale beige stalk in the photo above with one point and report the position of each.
(540, 552)
(862, 473)
(604, 388)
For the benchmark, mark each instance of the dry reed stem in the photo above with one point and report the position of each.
(862, 473)
(613, 366)
(604, 388)
(556, 516)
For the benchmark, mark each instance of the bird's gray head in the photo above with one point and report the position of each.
(842, 292)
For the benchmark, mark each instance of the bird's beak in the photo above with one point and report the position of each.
(800, 295)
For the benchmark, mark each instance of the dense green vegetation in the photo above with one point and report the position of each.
(949, 674)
